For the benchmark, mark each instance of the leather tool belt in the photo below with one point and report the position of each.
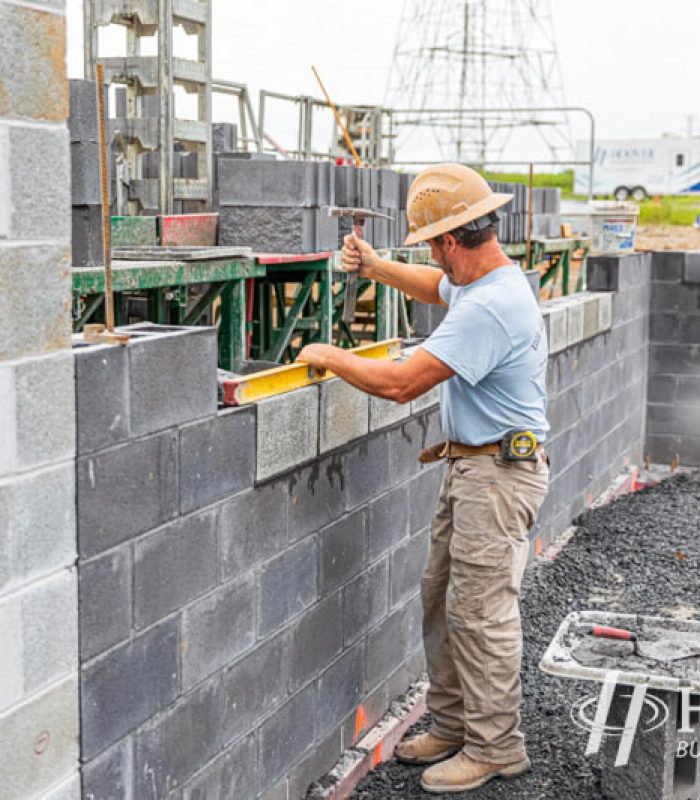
(458, 450)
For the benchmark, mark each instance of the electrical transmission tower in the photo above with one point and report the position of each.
(462, 56)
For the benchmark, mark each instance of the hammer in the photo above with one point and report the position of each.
(359, 215)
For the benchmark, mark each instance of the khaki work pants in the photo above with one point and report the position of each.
(471, 616)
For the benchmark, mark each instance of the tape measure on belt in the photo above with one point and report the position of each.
(519, 445)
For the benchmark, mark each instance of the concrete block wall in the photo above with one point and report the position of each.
(673, 410)
(38, 583)
(596, 384)
(248, 578)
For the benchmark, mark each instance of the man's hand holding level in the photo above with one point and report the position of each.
(359, 256)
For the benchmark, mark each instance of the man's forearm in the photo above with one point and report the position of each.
(417, 280)
(380, 378)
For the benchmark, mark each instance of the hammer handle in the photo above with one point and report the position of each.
(350, 302)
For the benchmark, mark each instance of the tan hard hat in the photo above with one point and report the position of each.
(446, 196)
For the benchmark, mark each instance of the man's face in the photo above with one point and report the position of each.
(441, 257)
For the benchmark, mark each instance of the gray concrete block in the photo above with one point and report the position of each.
(366, 469)
(49, 612)
(11, 662)
(217, 629)
(326, 230)
(86, 236)
(270, 183)
(85, 174)
(253, 527)
(555, 317)
(111, 775)
(690, 329)
(425, 401)
(664, 327)
(317, 762)
(574, 321)
(591, 315)
(287, 431)
(315, 640)
(232, 774)
(217, 458)
(82, 115)
(40, 196)
(128, 686)
(23, 730)
(340, 688)
(269, 229)
(175, 745)
(107, 484)
(287, 585)
(174, 565)
(662, 389)
(104, 601)
(38, 522)
(388, 520)
(667, 266)
(224, 137)
(45, 431)
(254, 686)
(386, 647)
(405, 445)
(389, 189)
(285, 736)
(691, 268)
(425, 489)
(101, 396)
(673, 359)
(344, 414)
(604, 312)
(675, 297)
(688, 390)
(342, 548)
(365, 600)
(316, 496)
(383, 413)
(173, 377)
(408, 561)
(673, 420)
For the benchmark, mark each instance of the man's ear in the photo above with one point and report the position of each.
(449, 242)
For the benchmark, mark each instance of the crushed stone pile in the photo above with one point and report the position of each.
(640, 554)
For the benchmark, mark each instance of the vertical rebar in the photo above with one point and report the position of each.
(104, 185)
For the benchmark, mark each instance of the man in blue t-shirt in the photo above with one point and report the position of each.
(489, 357)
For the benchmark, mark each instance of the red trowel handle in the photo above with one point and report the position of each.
(605, 632)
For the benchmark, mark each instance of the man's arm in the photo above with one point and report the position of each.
(392, 380)
(417, 280)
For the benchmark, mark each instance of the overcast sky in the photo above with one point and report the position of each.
(634, 63)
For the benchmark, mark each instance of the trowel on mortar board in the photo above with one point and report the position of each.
(659, 645)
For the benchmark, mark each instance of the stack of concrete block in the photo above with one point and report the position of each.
(224, 137)
(276, 206)
(85, 175)
(546, 212)
(405, 181)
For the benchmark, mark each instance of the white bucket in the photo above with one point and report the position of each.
(613, 226)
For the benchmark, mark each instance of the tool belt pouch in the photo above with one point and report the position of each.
(434, 453)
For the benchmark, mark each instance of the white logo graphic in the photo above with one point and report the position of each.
(645, 713)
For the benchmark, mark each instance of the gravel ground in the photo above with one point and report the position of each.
(639, 554)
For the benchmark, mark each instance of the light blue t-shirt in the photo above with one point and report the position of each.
(494, 338)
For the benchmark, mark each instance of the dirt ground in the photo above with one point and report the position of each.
(667, 237)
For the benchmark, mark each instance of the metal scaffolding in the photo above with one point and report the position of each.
(472, 54)
(145, 123)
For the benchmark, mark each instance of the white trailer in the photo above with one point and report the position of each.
(639, 168)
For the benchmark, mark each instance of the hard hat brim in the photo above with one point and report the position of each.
(447, 224)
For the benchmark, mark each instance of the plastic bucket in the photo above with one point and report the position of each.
(613, 226)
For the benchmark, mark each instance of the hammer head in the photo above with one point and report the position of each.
(359, 215)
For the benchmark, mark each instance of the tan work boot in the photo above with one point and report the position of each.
(461, 773)
(426, 748)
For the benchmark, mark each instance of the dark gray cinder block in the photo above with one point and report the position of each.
(425, 489)
(224, 137)
(232, 774)
(270, 183)
(82, 113)
(388, 520)
(340, 688)
(315, 496)
(386, 647)
(254, 685)
(85, 174)
(176, 744)
(217, 458)
(287, 585)
(407, 564)
(217, 629)
(126, 491)
(365, 600)
(101, 396)
(315, 640)
(342, 551)
(86, 238)
(366, 469)
(253, 527)
(127, 686)
(691, 268)
(389, 191)
(105, 602)
(285, 736)
(174, 565)
(110, 775)
(173, 377)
